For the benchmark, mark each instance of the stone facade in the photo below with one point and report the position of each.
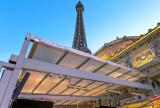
(143, 54)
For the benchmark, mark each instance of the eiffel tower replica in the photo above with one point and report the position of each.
(79, 41)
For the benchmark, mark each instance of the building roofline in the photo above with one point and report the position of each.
(144, 36)
(106, 45)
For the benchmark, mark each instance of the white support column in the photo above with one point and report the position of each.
(4, 83)
(14, 77)
(4, 79)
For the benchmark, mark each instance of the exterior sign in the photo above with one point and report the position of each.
(142, 56)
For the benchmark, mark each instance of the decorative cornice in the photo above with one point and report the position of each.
(118, 40)
(144, 37)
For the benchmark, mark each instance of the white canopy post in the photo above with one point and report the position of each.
(9, 89)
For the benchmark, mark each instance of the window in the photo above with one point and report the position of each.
(1, 73)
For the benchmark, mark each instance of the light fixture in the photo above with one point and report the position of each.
(136, 94)
(113, 91)
(120, 92)
(77, 87)
(50, 75)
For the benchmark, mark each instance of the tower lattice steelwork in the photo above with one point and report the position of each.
(79, 41)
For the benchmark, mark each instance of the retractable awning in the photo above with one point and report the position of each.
(59, 70)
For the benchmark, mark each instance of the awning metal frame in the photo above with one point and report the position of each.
(57, 97)
(12, 71)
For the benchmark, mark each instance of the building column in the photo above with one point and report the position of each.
(150, 83)
(156, 47)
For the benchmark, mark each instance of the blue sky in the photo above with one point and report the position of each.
(55, 20)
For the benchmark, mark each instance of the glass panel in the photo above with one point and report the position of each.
(79, 92)
(61, 87)
(69, 91)
(90, 87)
(94, 91)
(91, 65)
(1, 72)
(48, 83)
(107, 69)
(99, 93)
(60, 102)
(47, 54)
(134, 79)
(33, 80)
(83, 83)
(72, 60)
(67, 103)
(115, 74)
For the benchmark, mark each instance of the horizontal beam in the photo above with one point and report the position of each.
(36, 65)
(6, 65)
(56, 97)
